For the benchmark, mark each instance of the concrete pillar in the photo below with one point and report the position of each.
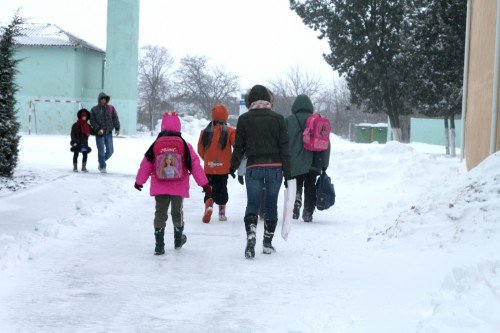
(122, 51)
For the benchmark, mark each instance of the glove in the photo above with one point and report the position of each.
(207, 189)
(231, 172)
(240, 180)
(286, 183)
(138, 187)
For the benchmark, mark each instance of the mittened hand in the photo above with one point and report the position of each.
(231, 172)
(207, 189)
(286, 183)
(240, 180)
(138, 187)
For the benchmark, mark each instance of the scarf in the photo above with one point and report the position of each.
(260, 104)
(208, 133)
(84, 125)
(150, 154)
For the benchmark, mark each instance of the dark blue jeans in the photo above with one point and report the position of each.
(104, 145)
(258, 177)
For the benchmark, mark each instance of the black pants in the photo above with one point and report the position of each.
(219, 189)
(75, 157)
(308, 183)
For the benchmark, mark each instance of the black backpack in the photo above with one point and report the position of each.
(325, 192)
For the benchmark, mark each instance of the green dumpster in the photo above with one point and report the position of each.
(379, 134)
(362, 134)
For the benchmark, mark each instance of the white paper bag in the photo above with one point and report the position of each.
(289, 197)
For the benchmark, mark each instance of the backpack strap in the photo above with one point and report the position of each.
(298, 121)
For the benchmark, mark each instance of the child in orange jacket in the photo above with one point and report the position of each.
(215, 148)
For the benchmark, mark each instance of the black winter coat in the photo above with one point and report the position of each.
(262, 136)
(78, 139)
(104, 117)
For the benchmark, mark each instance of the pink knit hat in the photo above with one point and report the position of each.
(171, 122)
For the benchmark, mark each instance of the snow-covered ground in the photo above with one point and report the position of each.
(412, 245)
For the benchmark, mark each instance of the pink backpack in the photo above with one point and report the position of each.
(169, 155)
(316, 135)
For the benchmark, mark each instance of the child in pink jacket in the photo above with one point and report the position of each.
(169, 162)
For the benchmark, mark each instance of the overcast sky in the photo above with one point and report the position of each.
(256, 39)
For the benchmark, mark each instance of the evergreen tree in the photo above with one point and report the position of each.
(366, 42)
(436, 43)
(9, 127)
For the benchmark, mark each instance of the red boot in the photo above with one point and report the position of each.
(209, 207)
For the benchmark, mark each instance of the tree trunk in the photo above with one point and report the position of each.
(446, 135)
(396, 129)
(453, 135)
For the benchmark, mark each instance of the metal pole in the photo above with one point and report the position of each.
(29, 120)
(465, 89)
(496, 76)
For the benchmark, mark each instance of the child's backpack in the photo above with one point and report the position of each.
(325, 192)
(169, 158)
(316, 135)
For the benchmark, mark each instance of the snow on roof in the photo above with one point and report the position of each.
(47, 34)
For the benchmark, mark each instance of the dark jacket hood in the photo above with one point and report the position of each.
(302, 103)
(81, 112)
(102, 95)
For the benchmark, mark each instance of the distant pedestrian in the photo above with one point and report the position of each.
(80, 132)
(104, 119)
(262, 136)
(306, 165)
(215, 147)
(169, 162)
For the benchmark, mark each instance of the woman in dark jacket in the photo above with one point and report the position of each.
(262, 136)
(305, 165)
(80, 132)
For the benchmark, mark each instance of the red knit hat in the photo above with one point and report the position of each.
(220, 113)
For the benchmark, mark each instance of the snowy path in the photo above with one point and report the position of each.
(89, 266)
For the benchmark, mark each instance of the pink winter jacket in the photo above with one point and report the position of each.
(172, 187)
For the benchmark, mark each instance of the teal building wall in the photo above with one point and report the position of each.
(122, 52)
(63, 73)
(430, 131)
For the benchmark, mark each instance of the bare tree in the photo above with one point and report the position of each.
(295, 82)
(154, 66)
(202, 86)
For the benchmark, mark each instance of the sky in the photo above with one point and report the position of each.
(258, 40)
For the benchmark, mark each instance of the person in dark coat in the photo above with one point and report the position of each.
(262, 136)
(80, 132)
(305, 165)
(104, 119)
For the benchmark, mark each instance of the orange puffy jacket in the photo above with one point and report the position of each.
(217, 161)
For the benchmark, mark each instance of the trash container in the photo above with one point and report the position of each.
(362, 134)
(379, 134)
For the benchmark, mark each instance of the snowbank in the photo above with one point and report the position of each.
(467, 302)
(455, 210)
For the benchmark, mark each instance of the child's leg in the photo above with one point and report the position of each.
(84, 162)
(178, 221)
(162, 203)
(220, 195)
(161, 212)
(75, 161)
(209, 202)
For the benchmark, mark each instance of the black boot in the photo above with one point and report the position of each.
(296, 206)
(251, 229)
(179, 237)
(307, 215)
(269, 228)
(160, 243)
(75, 167)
